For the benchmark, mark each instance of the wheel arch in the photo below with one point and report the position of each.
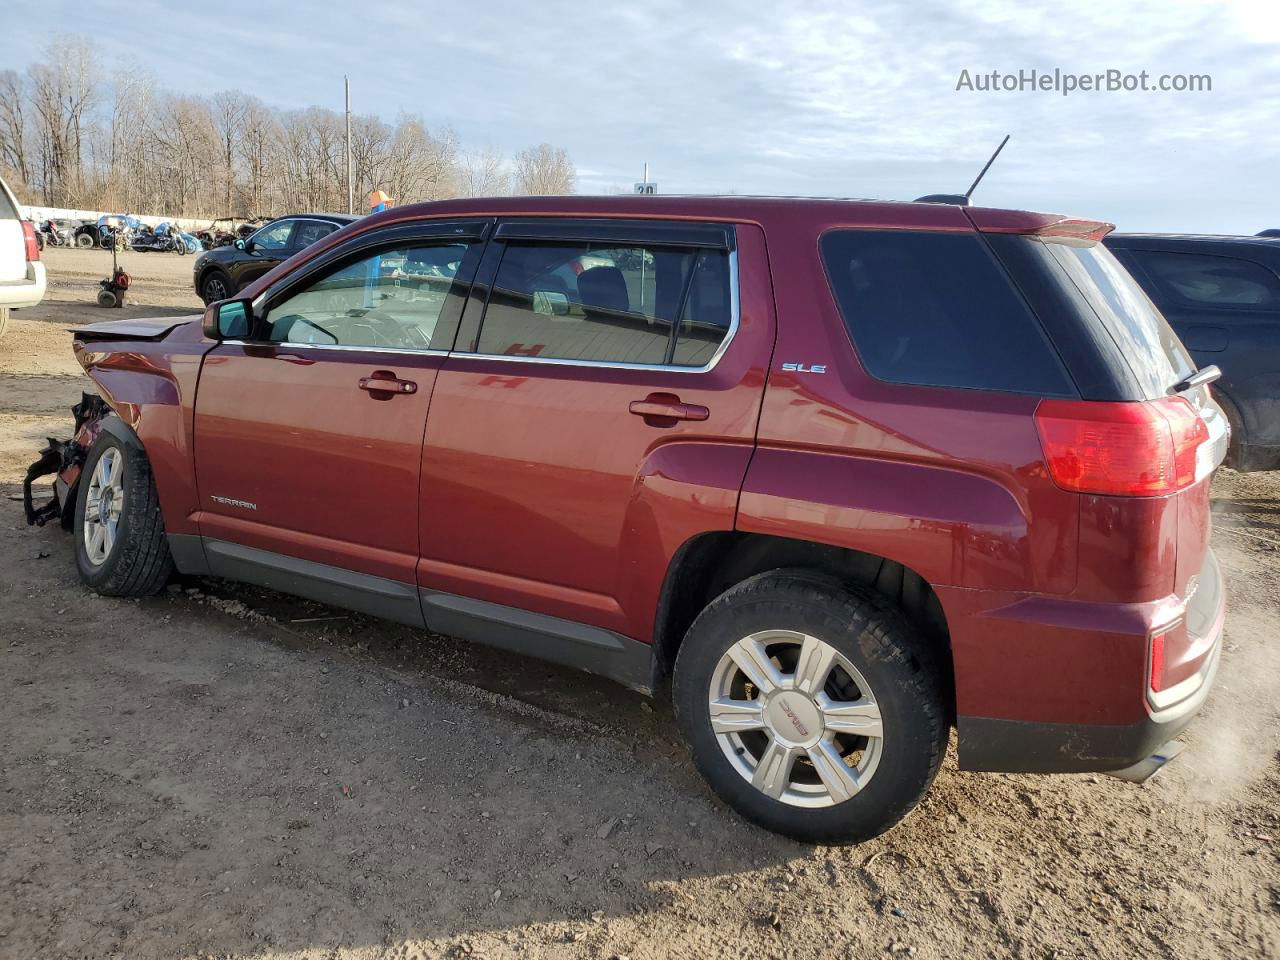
(708, 564)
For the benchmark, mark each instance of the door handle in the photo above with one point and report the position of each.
(384, 381)
(664, 409)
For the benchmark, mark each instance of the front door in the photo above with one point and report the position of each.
(266, 249)
(308, 433)
(601, 412)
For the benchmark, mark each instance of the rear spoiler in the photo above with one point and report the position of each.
(150, 328)
(987, 220)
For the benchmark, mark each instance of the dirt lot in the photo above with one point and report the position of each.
(200, 774)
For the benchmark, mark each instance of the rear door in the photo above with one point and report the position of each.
(308, 431)
(599, 410)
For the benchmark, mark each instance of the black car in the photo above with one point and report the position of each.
(224, 272)
(1222, 296)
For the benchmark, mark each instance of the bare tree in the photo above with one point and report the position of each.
(544, 170)
(483, 174)
(14, 126)
(229, 109)
(63, 92)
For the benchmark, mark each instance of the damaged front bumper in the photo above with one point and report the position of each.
(64, 459)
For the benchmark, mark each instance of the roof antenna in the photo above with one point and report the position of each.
(962, 199)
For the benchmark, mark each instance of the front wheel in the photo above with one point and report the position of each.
(215, 286)
(812, 708)
(121, 549)
(84, 241)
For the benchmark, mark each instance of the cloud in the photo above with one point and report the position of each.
(840, 100)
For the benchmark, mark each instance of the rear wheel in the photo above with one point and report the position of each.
(814, 709)
(121, 549)
(84, 240)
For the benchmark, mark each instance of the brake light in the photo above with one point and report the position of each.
(29, 235)
(1143, 449)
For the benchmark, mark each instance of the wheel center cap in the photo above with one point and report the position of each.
(793, 717)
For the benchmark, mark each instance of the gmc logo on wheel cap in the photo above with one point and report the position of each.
(795, 721)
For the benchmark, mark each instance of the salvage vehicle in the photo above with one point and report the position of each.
(224, 271)
(835, 476)
(22, 276)
(1221, 295)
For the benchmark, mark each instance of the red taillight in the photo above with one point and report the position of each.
(29, 235)
(1157, 662)
(1121, 449)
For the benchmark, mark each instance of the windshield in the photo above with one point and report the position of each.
(1153, 351)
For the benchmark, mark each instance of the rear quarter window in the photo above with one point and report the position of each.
(938, 309)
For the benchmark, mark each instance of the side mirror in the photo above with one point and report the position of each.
(242, 244)
(228, 320)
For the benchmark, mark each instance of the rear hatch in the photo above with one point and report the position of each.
(13, 247)
(1122, 353)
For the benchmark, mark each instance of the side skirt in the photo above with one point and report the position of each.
(579, 645)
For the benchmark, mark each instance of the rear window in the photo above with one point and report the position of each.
(1145, 340)
(7, 209)
(937, 309)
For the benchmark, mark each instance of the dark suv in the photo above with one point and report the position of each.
(837, 475)
(225, 271)
(1222, 296)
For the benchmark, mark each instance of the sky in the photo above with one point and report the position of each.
(850, 100)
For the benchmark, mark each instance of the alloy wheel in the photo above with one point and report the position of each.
(795, 718)
(103, 506)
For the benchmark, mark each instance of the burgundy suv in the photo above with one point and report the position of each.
(836, 474)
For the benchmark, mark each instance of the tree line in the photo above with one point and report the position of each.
(72, 136)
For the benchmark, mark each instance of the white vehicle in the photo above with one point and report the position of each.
(21, 272)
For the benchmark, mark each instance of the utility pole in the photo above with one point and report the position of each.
(351, 195)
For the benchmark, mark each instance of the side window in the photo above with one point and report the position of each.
(1187, 278)
(391, 299)
(937, 309)
(608, 303)
(309, 231)
(274, 236)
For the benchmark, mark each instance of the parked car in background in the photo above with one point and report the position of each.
(223, 272)
(22, 278)
(835, 474)
(1222, 297)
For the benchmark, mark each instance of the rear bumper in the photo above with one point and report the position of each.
(1037, 746)
(27, 292)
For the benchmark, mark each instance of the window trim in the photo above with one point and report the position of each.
(636, 231)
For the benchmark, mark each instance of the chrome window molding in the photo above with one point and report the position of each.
(734, 320)
(402, 351)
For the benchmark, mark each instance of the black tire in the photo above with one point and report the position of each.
(139, 563)
(209, 286)
(901, 668)
(106, 298)
(84, 241)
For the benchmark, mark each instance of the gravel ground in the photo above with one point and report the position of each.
(214, 772)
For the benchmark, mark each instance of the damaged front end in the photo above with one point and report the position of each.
(64, 459)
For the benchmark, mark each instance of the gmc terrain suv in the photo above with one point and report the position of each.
(836, 474)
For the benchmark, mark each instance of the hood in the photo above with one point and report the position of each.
(143, 328)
